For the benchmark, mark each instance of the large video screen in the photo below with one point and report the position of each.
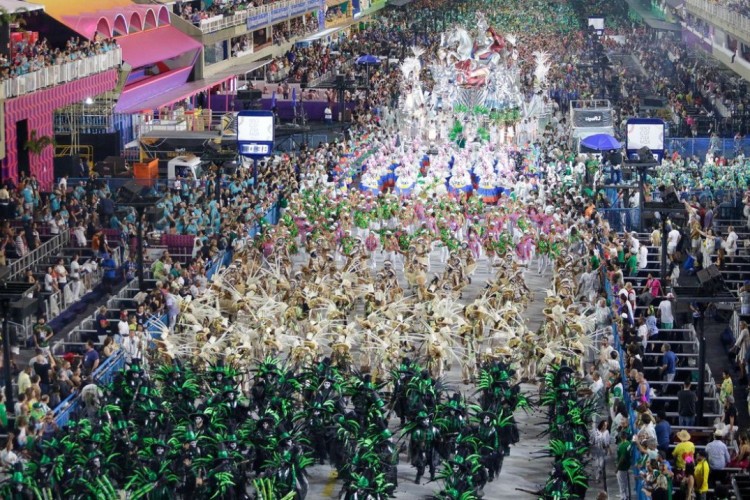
(254, 128)
(650, 135)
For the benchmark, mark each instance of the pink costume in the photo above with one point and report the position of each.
(371, 243)
(475, 245)
(524, 248)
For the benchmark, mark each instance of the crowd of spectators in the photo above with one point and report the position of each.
(741, 7)
(28, 57)
(297, 28)
(225, 8)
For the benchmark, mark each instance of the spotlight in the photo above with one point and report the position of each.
(89, 101)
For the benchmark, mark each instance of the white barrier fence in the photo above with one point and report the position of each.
(55, 75)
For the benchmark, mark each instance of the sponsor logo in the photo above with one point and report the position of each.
(589, 119)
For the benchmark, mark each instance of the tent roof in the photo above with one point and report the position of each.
(152, 46)
(176, 94)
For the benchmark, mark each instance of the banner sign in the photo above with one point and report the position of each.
(587, 118)
(298, 9)
(279, 14)
(258, 21)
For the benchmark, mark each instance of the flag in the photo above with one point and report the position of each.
(273, 99)
(294, 96)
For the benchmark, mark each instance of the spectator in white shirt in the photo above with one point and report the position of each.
(132, 347)
(666, 318)
(61, 273)
(80, 234)
(673, 239)
(633, 242)
(730, 245)
(54, 229)
(75, 274)
(643, 257)
(123, 328)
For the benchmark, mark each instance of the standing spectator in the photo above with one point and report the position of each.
(642, 257)
(24, 381)
(726, 388)
(624, 455)
(684, 451)
(75, 279)
(730, 415)
(730, 245)
(668, 364)
(328, 114)
(173, 309)
(42, 365)
(132, 348)
(90, 359)
(696, 310)
(663, 432)
(673, 239)
(42, 335)
(601, 442)
(744, 293)
(666, 317)
(702, 471)
(642, 391)
(740, 348)
(50, 282)
(102, 323)
(686, 405)
(718, 457)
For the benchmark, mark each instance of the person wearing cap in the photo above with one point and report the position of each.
(718, 456)
(684, 449)
(666, 317)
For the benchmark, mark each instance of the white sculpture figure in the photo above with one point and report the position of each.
(411, 69)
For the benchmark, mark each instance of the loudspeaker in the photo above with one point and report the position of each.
(710, 279)
(653, 102)
(118, 164)
(714, 272)
(23, 308)
(130, 191)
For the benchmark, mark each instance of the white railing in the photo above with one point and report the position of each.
(718, 14)
(55, 75)
(217, 23)
(49, 247)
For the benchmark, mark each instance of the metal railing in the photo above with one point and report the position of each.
(330, 74)
(44, 250)
(61, 73)
(718, 14)
(104, 374)
(218, 23)
(622, 219)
